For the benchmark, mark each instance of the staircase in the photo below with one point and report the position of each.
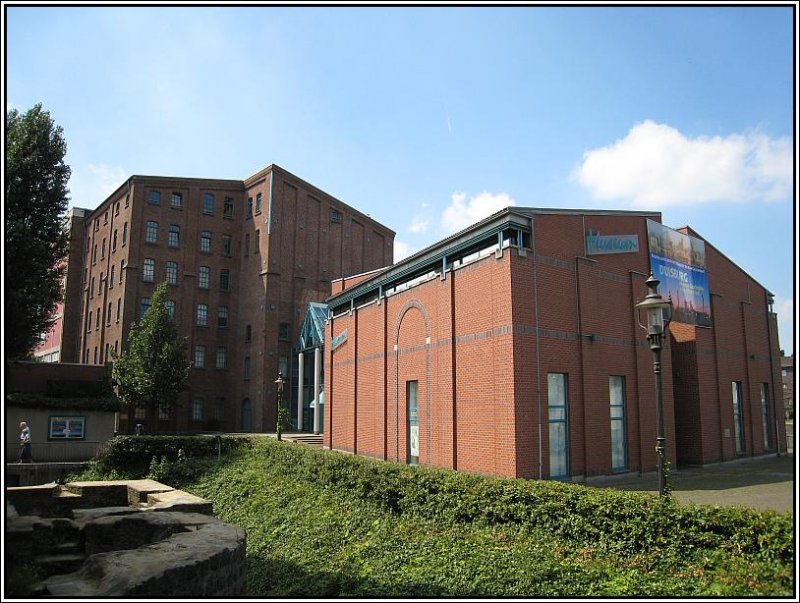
(309, 439)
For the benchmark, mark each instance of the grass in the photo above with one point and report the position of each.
(310, 540)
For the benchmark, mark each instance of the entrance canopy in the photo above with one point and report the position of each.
(312, 335)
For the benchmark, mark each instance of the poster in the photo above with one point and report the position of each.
(679, 262)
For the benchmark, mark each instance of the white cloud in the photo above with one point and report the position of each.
(784, 308)
(655, 165)
(401, 250)
(90, 185)
(458, 215)
(419, 224)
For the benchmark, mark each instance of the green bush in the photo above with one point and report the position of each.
(615, 520)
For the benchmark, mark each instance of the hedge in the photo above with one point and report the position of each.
(613, 519)
(33, 400)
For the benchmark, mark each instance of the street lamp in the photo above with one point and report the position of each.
(658, 313)
(278, 427)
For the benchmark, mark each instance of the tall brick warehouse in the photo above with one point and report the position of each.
(514, 348)
(243, 260)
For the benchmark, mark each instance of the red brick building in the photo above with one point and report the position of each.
(243, 260)
(513, 348)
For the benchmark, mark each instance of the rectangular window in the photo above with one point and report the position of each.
(248, 333)
(114, 241)
(94, 254)
(208, 204)
(219, 409)
(124, 234)
(205, 241)
(177, 201)
(89, 323)
(224, 280)
(105, 218)
(247, 367)
(127, 200)
(121, 269)
(738, 416)
(172, 273)
(108, 315)
(154, 197)
(163, 415)
(119, 305)
(67, 428)
(558, 431)
(247, 244)
(283, 331)
(148, 270)
(199, 356)
(222, 357)
(112, 277)
(197, 409)
(204, 277)
(91, 290)
(412, 389)
(258, 203)
(227, 245)
(97, 319)
(336, 216)
(100, 285)
(228, 207)
(765, 418)
(103, 250)
(283, 366)
(116, 208)
(257, 246)
(170, 306)
(249, 208)
(174, 235)
(151, 232)
(144, 306)
(202, 315)
(619, 445)
(222, 317)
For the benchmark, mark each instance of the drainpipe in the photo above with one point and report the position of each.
(269, 213)
(538, 337)
(772, 376)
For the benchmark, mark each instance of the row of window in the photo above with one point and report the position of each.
(116, 212)
(208, 207)
(221, 361)
(104, 316)
(557, 388)
(171, 275)
(103, 244)
(198, 408)
(99, 357)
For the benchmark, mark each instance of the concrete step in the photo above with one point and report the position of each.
(60, 563)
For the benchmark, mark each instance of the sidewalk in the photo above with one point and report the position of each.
(758, 483)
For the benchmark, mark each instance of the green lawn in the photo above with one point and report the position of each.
(312, 539)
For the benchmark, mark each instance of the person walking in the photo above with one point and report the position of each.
(25, 443)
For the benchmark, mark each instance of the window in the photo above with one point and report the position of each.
(228, 208)
(336, 216)
(105, 218)
(140, 413)
(205, 241)
(248, 333)
(112, 277)
(738, 416)
(119, 305)
(219, 408)
(258, 203)
(94, 254)
(197, 409)
(151, 232)
(199, 356)
(170, 306)
(247, 244)
(247, 415)
(559, 436)
(95, 354)
(116, 350)
(204, 277)
(154, 197)
(224, 280)
(96, 225)
(177, 201)
(127, 200)
(222, 317)
(257, 246)
(412, 413)
(227, 245)
(114, 241)
(163, 414)
(148, 270)
(103, 249)
(222, 357)
(247, 367)
(67, 428)
(116, 208)
(283, 366)
(172, 273)
(202, 315)
(249, 208)
(208, 204)
(619, 446)
(144, 306)
(124, 234)
(108, 315)
(121, 269)
(100, 285)
(91, 290)
(89, 323)
(108, 345)
(765, 420)
(283, 331)
(174, 236)
(97, 319)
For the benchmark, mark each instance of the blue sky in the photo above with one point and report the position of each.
(429, 119)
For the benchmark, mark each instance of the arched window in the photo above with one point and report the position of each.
(247, 415)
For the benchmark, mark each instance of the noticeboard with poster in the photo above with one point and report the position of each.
(679, 262)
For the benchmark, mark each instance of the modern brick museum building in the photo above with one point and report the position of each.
(514, 348)
(243, 260)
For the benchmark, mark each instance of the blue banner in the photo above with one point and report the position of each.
(679, 262)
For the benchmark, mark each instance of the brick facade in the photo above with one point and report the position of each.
(246, 257)
(481, 319)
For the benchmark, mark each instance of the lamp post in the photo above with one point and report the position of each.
(658, 313)
(278, 415)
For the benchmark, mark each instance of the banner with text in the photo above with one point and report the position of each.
(679, 262)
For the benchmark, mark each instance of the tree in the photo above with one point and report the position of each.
(154, 370)
(36, 198)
